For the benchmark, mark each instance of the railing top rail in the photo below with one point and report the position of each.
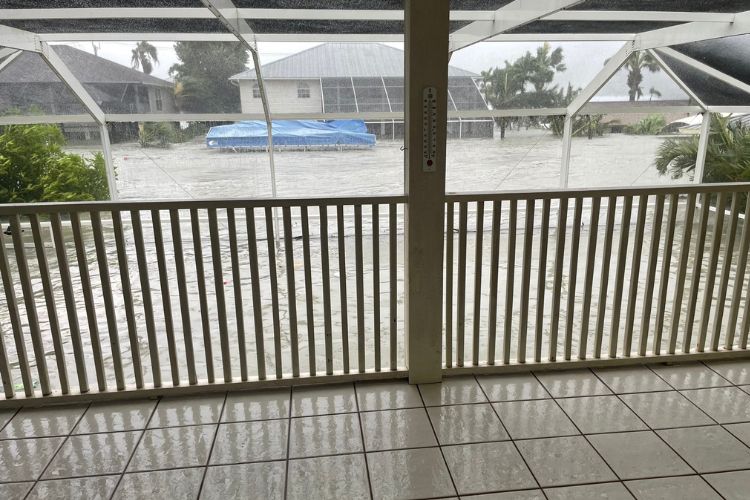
(123, 206)
(542, 194)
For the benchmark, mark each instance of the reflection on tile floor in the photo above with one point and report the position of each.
(647, 432)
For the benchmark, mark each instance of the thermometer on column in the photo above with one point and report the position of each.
(429, 129)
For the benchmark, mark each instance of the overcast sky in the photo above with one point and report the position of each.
(583, 60)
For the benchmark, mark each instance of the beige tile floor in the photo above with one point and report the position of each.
(646, 432)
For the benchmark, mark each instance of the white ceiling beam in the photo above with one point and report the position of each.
(226, 12)
(601, 78)
(512, 15)
(218, 37)
(692, 32)
(676, 78)
(344, 14)
(639, 15)
(562, 37)
(738, 84)
(36, 119)
(18, 39)
(69, 79)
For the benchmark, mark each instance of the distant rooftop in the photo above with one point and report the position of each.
(88, 68)
(333, 60)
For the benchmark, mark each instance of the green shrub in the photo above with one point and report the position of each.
(156, 134)
(33, 168)
(651, 125)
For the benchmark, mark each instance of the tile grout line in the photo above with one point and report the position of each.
(437, 441)
(533, 374)
(654, 432)
(213, 443)
(288, 442)
(515, 446)
(364, 445)
(57, 451)
(135, 448)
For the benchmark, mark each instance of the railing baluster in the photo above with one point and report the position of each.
(528, 240)
(601, 308)
(726, 271)
(326, 278)
(708, 292)
(308, 290)
(109, 305)
(588, 281)
(653, 256)
(448, 270)
(28, 297)
(745, 328)
(739, 278)
(166, 297)
(195, 225)
(239, 312)
(213, 229)
(461, 291)
(542, 279)
(271, 241)
(376, 282)
(575, 241)
(359, 271)
(252, 247)
(148, 308)
(697, 266)
(5, 375)
(510, 281)
(635, 268)
(622, 255)
(49, 299)
(291, 288)
(477, 282)
(15, 319)
(494, 271)
(179, 261)
(70, 303)
(393, 270)
(88, 300)
(562, 218)
(666, 265)
(342, 286)
(682, 268)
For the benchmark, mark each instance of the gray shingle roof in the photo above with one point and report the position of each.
(88, 68)
(331, 60)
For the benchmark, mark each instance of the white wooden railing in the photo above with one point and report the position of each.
(120, 298)
(117, 297)
(596, 274)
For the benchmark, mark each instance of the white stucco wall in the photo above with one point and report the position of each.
(167, 99)
(282, 97)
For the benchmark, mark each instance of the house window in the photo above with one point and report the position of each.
(256, 91)
(303, 90)
(159, 102)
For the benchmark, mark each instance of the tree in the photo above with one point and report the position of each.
(635, 64)
(202, 76)
(34, 168)
(501, 87)
(727, 154)
(144, 55)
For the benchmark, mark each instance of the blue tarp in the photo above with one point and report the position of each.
(294, 133)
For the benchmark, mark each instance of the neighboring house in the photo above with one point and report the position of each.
(28, 85)
(356, 77)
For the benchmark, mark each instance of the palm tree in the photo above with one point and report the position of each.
(501, 87)
(144, 56)
(727, 155)
(636, 63)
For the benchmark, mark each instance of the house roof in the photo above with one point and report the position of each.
(332, 60)
(88, 68)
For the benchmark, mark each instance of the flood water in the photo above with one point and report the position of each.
(189, 171)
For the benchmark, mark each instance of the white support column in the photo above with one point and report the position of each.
(426, 61)
(108, 161)
(567, 141)
(700, 159)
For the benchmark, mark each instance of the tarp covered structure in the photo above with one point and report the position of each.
(253, 134)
